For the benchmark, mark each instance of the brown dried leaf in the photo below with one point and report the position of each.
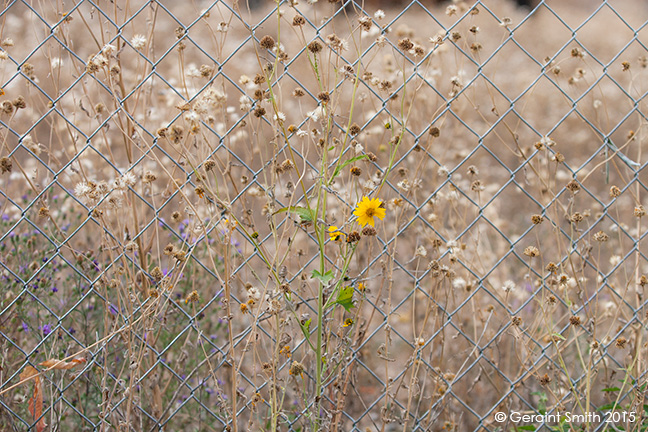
(35, 402)
(58, 364)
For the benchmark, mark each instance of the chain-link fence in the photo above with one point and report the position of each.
(347, 216)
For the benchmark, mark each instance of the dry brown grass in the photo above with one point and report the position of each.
(142, 193)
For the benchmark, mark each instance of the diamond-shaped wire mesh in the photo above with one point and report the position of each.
(178, 243)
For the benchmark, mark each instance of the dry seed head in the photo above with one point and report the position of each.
(477, 186)
(576, 52)
(537, 219)
(298, 20)
(7, 107)
(353, 237)
(516, 321)
(434, 131)
(365, 23)
(405, 44)
(369, 231)
(157, 274)
(267, 42)
(621, 342)
(573, 186)
(324, 96)
(206, 71)
(545, 380)
(531, 251)
(576, 217)
(285, 166)
(574, 320)
(44, 212)
(315, 47)
(643, 280)
(601, 237)
(296, 369)
(259, 112)
(298, 92)
(19, 103)
(551, 267)
(149, 177)
(193, 297)
(6, 165)
(615, 191)
(558, 157)
(354, 129)
(356, 171)
(177, 132)
(28, 69)
(209, 165)
(639, 211)
(181, 256)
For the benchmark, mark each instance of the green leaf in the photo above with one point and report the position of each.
(304, 214)
(611, 389)
(324, 278)
(559, 336)
(608, 407)
(345, 298)
(527, 427)
(307, 324)
(341, 166)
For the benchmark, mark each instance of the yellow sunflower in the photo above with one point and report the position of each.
(335, 233)
(368, 209)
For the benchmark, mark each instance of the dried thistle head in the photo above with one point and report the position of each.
(614, 191)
